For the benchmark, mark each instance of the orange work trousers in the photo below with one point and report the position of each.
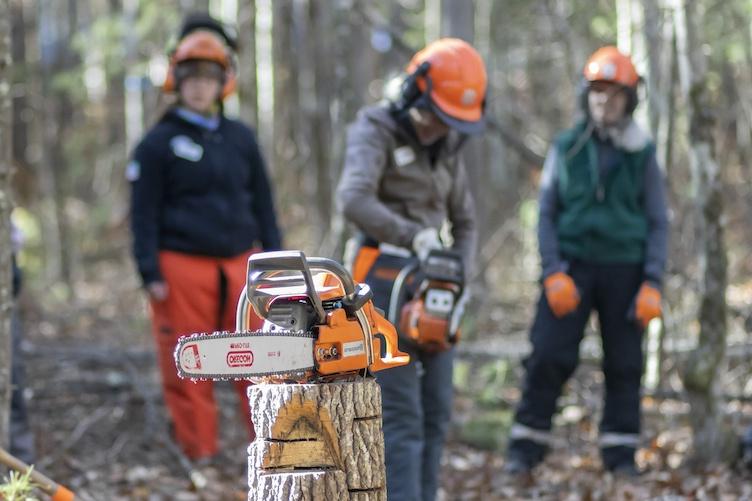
(202, 297)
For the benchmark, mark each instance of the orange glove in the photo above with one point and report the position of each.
(561, 293)
(647, 304)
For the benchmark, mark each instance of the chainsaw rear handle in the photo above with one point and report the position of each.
(56, 491)
(393, 356)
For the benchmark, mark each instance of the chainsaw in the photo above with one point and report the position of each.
(431, 319)
(318, 325)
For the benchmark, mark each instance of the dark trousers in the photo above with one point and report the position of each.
(21, 437)
(610, 291)
(416, 403)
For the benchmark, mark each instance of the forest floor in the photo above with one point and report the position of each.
(101, 426)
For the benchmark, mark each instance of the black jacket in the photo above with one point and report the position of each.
(200, 192)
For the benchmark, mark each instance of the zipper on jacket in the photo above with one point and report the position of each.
(595, 171)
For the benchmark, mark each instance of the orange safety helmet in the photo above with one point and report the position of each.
(202, 46)
(608, 64)
(451, 73)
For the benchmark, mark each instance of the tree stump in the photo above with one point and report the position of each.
(317, 442)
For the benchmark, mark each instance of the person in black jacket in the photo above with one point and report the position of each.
(201, 205)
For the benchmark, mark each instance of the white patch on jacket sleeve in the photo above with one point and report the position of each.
(133, 171)
(185, 147)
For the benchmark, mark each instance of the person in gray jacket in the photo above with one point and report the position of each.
(402, 180)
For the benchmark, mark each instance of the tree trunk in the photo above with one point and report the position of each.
(57, 23)
(247, 85)
(352, 70)
(458, 20)
(194, 5)
(285, 152)
(319, 22)
(712, 442)
(21, 113)
(658, 58)
(317, 441)
(24, 184)
(6, 286)
(114, 148)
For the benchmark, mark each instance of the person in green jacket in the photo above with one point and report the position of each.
(603, 231)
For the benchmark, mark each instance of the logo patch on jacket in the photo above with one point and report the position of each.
(185, 147)
(404, 155)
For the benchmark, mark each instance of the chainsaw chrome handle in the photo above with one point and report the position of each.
(267, 262)
(336, 269)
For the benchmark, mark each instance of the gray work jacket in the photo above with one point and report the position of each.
(390, 190)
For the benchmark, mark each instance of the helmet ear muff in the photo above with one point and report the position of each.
(231, 76)
(410, 92)
(633, 98)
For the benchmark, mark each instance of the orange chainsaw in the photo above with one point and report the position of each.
(317, 324)
(431, 319)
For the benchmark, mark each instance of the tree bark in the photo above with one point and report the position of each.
(352, 69)
(712, 441)
(458, 20)
(194, 5)
(317, 441)
(24, 184)
(285, 150)
(21, 113)
(57, 23)
(657, 60)
(6, 286)
(247, 85)
(320, 129)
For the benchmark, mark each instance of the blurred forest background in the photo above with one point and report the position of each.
(85, 84)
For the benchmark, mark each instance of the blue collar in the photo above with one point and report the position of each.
(199, 120)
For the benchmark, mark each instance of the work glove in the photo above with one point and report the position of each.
(561, 293)
(425, 241)
(647, 304)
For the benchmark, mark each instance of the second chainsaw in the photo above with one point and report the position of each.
(431, 318)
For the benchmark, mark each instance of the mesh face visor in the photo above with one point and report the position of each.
(199, 68)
